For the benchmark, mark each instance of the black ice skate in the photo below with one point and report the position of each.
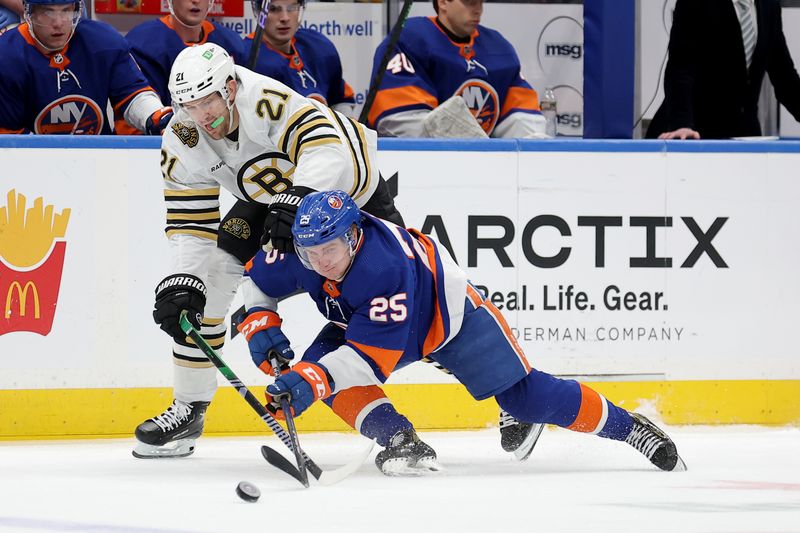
(406, 455)
(518, 437)
(654, 444)
(172, 433)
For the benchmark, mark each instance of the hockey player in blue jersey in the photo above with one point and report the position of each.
(392, 298)
(446, 56)
(303, 59)
(156, 43)
(59, 72)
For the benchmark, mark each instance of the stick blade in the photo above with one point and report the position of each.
(282, 463)
(331, 477)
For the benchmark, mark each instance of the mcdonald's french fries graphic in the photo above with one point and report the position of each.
(32, 250)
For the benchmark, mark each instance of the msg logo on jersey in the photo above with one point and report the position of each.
(482, 101)
(264, 176)
(72, 114)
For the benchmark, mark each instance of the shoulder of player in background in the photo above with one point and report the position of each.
(99, 36)
(144, 29)
(494, 37)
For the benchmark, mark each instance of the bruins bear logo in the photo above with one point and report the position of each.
(187, 134)
(238, 227)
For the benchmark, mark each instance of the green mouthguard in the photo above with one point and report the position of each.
(217, 122)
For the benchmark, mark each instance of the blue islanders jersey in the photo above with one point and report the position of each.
(430, 67)
(401, 300)
(66, 92)
(155, 45)
(313, 69)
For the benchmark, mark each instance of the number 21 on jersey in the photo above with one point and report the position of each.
(384, 309)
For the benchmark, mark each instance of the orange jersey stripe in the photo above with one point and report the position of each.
(436, 333)
(501, 321)
(520, 98)
(474, 296)
(387, 99)
(590, 413)
(4, 131)
(349, 403)
(385, 359)
(348, 91)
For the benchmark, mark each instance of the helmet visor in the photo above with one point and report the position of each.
(330, 259)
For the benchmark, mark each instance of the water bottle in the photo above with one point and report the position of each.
(550, 112)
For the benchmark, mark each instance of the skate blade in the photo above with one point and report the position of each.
(401, 467)
(680, 466)
(526, 448)
(178, 448)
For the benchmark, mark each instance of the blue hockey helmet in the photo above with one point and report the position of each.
(323, 217)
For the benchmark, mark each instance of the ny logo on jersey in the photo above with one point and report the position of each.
(482, 100)
(303, 73)
(472, 64)
(73, 114)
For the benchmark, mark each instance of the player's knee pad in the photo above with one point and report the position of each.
(542, 398)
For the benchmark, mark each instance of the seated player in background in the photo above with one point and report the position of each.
(156, 43)
(59, 72)
(449, 74)
(303, 59)
(10, 14)
(393, 298)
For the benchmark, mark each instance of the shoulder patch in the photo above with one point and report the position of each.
(237, 227)
(187, 134)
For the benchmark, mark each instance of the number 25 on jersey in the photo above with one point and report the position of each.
(385, 309)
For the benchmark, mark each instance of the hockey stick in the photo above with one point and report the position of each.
(394, 36)
(261, 21)
(329, 477)
(287, 413)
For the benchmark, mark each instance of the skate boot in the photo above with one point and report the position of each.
(518, 437)
(406, 455)
(654, 444)
(172, 433)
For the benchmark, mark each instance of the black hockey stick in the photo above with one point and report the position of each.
(325, 477)
(287, 413)
(394, 36)
(261, 21)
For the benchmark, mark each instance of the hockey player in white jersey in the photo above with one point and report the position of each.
(268, 146)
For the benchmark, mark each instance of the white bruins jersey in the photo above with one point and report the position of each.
(284, 139)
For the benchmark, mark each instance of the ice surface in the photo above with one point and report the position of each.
(740, 479)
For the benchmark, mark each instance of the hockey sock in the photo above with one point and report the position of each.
(541, 397)
(369, 411)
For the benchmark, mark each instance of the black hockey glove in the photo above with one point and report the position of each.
(278, 224)
(176, 293)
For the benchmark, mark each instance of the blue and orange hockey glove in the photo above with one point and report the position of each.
(157, 122)
(262, 329)
(305, 384)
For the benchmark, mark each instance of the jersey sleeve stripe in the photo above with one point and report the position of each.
(294, 121)
(209, 211)
(351, 403)
(304, 132)
(353, 155)
(197, 218)
(389, 101)
(127, 99)
(385, 359)
(201, 232)
(520, 99)
(169, 193)
(318, 141)
(365, 157)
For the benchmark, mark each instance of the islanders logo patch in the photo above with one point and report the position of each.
(482, 101)
(73, 114)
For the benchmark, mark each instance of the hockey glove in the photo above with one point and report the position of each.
(177, 293)
(262, 329)
(278, 224)
(305, 384)
(157, 122)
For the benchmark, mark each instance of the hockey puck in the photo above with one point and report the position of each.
(247, 491)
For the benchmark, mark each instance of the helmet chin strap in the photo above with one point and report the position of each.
(41, 44)
(191, 26)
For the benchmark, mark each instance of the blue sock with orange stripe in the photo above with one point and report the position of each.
(368, 410)
(542, 398)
